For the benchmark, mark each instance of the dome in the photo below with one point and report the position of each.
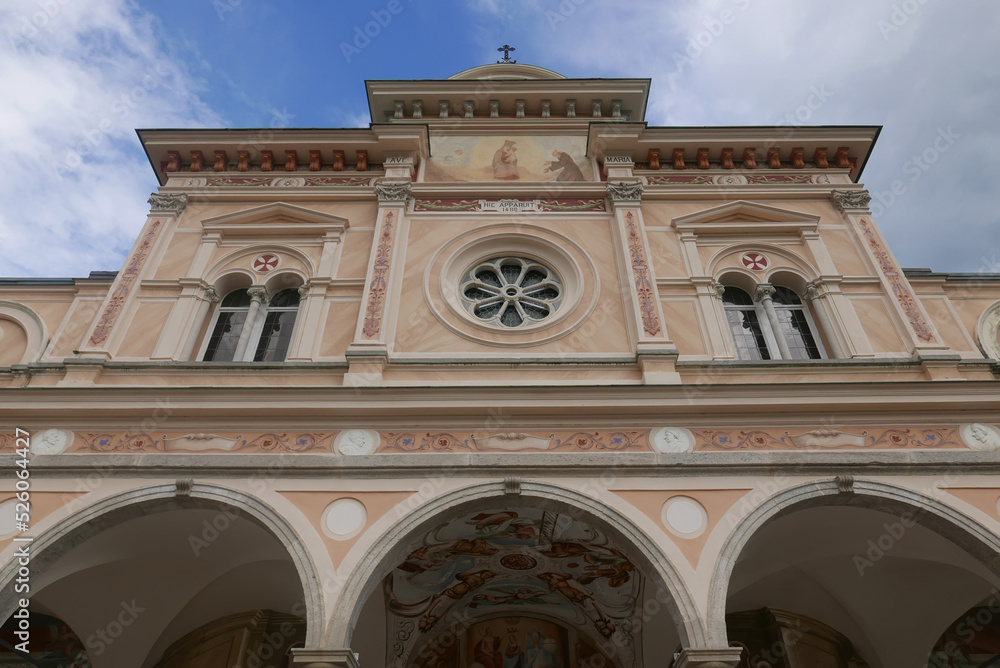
(507, 71)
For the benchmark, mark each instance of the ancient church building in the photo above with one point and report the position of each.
(508, 379)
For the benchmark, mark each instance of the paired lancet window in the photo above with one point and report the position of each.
(773, 324)
(244, 329)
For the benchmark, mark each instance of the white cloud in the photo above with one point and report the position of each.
(916, 66)
(79, 76)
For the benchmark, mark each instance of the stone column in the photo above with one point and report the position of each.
(813, 297)
(369, 352)
(655, 352)
(763, 295)
(204, 303)
(726, 657)
(324, 658)
(719, 338)
(258, 295)
(306, 322)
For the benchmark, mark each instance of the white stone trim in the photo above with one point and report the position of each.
(32, 324)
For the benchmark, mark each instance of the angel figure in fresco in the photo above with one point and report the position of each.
(503, 595)
(505, 162)
(564, 161)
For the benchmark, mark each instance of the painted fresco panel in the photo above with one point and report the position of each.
(508, 158)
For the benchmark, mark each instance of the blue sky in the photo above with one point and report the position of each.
(81, 75)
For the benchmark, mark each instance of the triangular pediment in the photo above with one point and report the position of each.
(741, 214)
(278, 216)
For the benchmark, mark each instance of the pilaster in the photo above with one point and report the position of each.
(164, 212)
(853, 205)
(369, 352)
(655, 352)
(308, 326)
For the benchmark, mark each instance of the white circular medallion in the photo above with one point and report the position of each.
(982, 437)
(671, 439)
(344, 519)
(51, 442)
(684, 516)
(8, 526)
(357, 442)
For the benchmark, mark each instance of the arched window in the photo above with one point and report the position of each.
(773, 324)
(745, 325)
(794, 325)
(229, 320)
(235, 338)
(272, 345)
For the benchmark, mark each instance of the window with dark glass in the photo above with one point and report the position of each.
(757, 335)
(229, 321)
(272, 346)
(266, 339)
(794, 325)
(744, 325)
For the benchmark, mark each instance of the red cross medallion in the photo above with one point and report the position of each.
(265, 263)
(754, 261)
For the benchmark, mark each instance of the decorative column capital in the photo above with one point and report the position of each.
(810, 293)
(624, 191)
(258, 293)
(166, 203)
(303, 290)
(763, 292)
(850, 199)
(718, 289)
(211, 296)
(393, 191)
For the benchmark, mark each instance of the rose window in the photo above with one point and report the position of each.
(511, 292)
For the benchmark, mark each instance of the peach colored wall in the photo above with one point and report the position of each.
(341, 320)
(13, 342)
(944, 320)
(683, 324)
(177, 259)
(878, 325)
(144, 329)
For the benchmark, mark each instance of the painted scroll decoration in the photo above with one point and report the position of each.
(378, 287)
(640, 273)
(121, 293)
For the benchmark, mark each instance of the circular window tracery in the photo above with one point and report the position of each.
(511, 292)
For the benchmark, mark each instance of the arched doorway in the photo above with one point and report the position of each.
(877, 570)
(136, 572)
(529, 577)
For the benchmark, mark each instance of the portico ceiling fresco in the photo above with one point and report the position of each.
(501, 562)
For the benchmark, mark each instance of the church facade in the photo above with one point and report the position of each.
(509, 379)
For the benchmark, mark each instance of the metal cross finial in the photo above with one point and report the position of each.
(506, 48)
